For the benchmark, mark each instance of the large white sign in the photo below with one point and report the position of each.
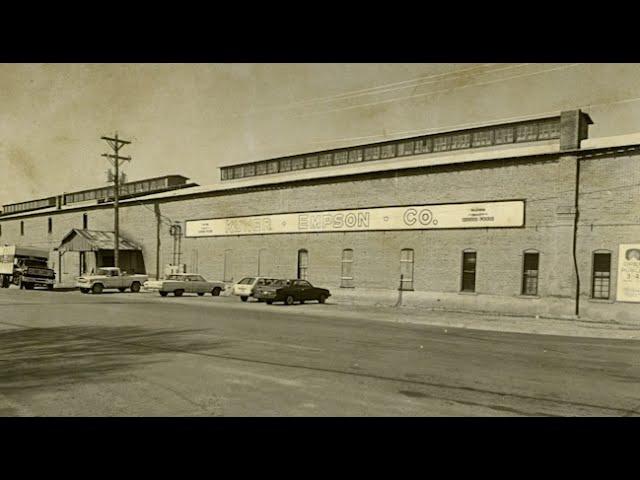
(417, 217)
(629, 273)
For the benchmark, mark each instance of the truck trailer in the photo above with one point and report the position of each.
(26, 267)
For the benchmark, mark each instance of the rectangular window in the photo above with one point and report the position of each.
(355, 155)
(285, 165)
(237, 172)
(372, 153)
(249, 170)
(261, 168)
(388, 151)
(548, 130)
(85, 221)
(441, 144)
(311, 161)
(326, 159)
(224, 173)
(601, 279)
(460, 141)
(530, 274)
(406, 269)
(483, 138)
(527, 133)
(469, 271)
(503, 135)
(340, 158)
(303, 264)
(297, 163)
(346, 280)
(21, 228)
(273, 166)
(405, 148)
(49, 225)
(423, 145)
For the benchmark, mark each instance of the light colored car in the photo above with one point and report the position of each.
(110, 278)
(180, 283)
(246, 287)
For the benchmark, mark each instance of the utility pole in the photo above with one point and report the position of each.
(116, 144)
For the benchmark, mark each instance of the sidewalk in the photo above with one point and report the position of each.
(423, 308)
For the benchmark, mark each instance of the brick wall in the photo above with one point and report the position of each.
(545, 183)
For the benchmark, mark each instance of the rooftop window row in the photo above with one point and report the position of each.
(125, 189)
(531, 131)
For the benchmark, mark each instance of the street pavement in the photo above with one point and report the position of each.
(124, 354)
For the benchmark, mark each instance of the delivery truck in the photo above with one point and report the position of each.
(26, 267)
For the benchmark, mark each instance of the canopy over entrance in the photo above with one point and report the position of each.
(95, 249)
(78, 240)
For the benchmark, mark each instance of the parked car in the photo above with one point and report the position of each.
(246, 287)
(179, 283)
(110, 278)
(290, 291)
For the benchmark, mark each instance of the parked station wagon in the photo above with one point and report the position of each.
(246, 287)
(180, 283)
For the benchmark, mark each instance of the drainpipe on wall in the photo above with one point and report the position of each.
(574, 126)
(575, 237)
(156, 208)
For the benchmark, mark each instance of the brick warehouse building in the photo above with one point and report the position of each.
(507, 217)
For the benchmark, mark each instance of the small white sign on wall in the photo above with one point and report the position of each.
(629, 273)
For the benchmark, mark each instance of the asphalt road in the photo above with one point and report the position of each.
(123, 354)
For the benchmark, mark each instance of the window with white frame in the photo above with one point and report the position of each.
(346, 280)
(406, 269)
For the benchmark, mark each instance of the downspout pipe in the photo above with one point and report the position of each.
(576, 217)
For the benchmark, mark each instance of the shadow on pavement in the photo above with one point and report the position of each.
(44, 357)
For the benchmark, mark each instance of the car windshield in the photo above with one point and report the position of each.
(35, 263)
(281, 283)
(174, 277)
(108, 273)
(246, 281)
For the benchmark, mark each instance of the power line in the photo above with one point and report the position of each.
(385, 88)
(343, 95)
(489, 82)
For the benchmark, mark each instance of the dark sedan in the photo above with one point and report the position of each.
(291, 291)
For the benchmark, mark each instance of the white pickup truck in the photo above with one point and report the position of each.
(110, 278)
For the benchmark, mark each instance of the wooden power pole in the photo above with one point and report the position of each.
(116, 144)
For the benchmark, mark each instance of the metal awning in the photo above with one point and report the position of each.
(78, 240)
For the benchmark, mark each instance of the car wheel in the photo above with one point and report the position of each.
(84, 290)
(178, 293)
(135, 287)
(28, 286)
(216, 292)
(244, 299)
(322, 299)
(269, 302)
(289, 300)
(163, 294)
(97, 288)
(200, 294)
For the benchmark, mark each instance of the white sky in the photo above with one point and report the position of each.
(191, 118)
